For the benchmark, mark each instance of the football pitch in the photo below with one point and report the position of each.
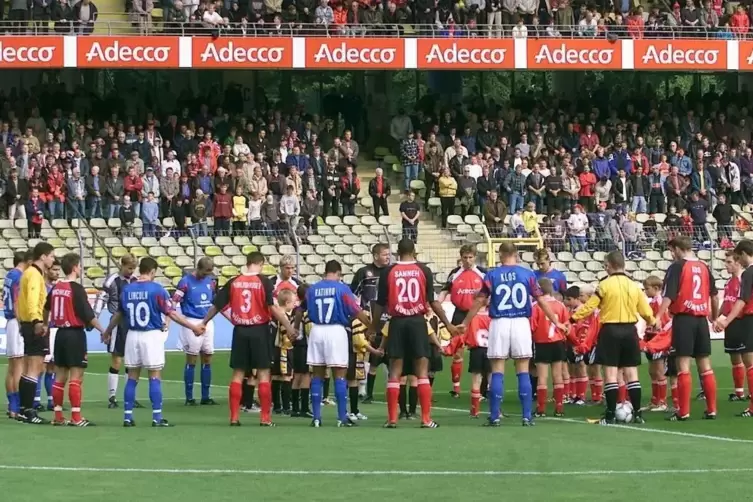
(202, 458)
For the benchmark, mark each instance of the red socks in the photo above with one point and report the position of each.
(568, 387)
(581, 384)
(675, 396)
(684, 388)
(58, 394)
(750, 386)
(393, 396)
(597, 388)
(622, 393)
(708, 383)
(541, 397)
(235, 393)
(265, 401)
(559, 396)
(654, 392)
(456, 369)
(475, 401)
(661, 391)
(738, 377)
(74, 395)
(424, 398)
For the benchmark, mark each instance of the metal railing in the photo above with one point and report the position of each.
(159, 26)
(86, 233)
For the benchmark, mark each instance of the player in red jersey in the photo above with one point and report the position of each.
(660, 346)
(250, 300)
(657, 361)
(550, 349)
(578, 334)
(689, 289)
(583, 336)
(406, 292)
(462, 286)
(477, 339)
(740, 319)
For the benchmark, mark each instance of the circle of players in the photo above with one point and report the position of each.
(570, 363)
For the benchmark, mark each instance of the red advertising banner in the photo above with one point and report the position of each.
(32, 52)
(687, 55)
(575, 54)
(355, 53)
(242, 53)
(466, 54)
(128, 52)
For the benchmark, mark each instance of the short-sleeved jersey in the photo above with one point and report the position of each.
(281, 339)
(559, 281)
(143, 303)
(331, 302)
(731, 295)
(358, 337)
(68, 305)
(689, 284)
(290, 284)
(10, 293)
(365, 284)
(583, 330)
(542, 329)
(249, 298)
(511, 290)
(405, 289)
(195, 295)
(746, 290)
(477, 332)
(110, 294)
(463, 285)
(655, 304)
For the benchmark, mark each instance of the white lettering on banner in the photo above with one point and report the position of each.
(116, 53)
(459, 55)
(670, 55)
(233, 54)
(26, 54)
(345, 55)
(562, 55)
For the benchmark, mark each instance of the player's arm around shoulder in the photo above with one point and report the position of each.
(643, 307)
(593, 302)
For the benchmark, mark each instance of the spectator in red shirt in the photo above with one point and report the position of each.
(587, 183)
(222, 211)
(350, 186)
(740, 22)
(341, 17)
(640, 161)
(635, 24)
(132, 184)
(54, 193)
(589, 140)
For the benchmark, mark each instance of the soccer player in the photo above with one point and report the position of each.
(365, 286)
(14, 341)
(282, 364)
(657, 361)
(53, 275)
(688, 289)
(142, 304)
(509, 290)
(477, 340)
(358, 357)
(284, 281)
(462, 286)
(738, 325)
(582, 338)
(32, 296)
(195, 294)
(110, 296)
(331, 306)
(620, 301)
(733, 344)
(69, 312)
(249, 296)
(301, 374)
(550, 350)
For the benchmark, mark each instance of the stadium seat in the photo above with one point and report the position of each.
(230, 271)
(94, 273)
(184, 261)
(213, 251)
(173, 272)
(165, 261)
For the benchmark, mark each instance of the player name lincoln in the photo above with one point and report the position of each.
(138, 295)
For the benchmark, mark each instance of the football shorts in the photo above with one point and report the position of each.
(118, 340)
(328, 346)
(13, 339)
(408, 338)
(194, 345)
(550, 352)
(300, 362)
(510, 338)
(690, 336)
(478, 363)
(738, 337)
(50, 357)
(70, 349)
(436, 363)
(34, 345)
(251, 348)
(145, 349)
(618, 346)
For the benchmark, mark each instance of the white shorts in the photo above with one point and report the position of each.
(328, 346)
(14, 340)
(145, 349)
(195, 345)
(50, 358)
(510, 338)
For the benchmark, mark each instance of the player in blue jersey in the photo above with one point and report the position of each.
(195, 294)
(142, 305)
(14, 346)
(510, 290)
(331, 307)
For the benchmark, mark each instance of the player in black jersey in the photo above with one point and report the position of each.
(301, 373)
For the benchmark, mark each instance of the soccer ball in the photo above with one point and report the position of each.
(624, 412)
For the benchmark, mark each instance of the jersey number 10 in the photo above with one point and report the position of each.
(138, 314)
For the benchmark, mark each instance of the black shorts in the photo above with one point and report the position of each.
(671, 370)
(34, 345)
(375, 359)
(550, 352)
(408, 368)
(478, 363)
(618, 346)
(70, 348)
(436, 363)
(300, 363)
(590, 357)
(408, 338)
(282, 364)
(690, 336)
(117, 343)
(738, 337)
(251, 348)
(572, 357)
(458, 317)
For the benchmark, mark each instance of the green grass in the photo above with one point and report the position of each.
(558, 459)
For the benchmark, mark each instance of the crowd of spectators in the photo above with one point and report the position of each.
(251, 175)
(63, 17)
(591, 175)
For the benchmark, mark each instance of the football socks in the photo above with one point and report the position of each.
(286, 388)
(112, 382)
(27, 387)
(353, 398)
(155, 396)
(188, 379)
(206, 380)
(316, 397)
(496, 393)
(341, 396)
(393, 392)
(276, 387)
(424, 397)
(235, 394)
(525, 394)
(610, 392)
(49, 379)
(412, 399)
(708, 384)
(75, 395)
(634, 391)
(456, 369)
(559, 398)
(402, 400)
(58, 394)
(370, 381)
(265, 401)
(129, 396)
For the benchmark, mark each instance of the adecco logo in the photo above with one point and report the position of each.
(574, 54)
(745, 56)
(242, 52)
(128, 52)
(355, 53)
(30, 52)
(466, 53)
(680, 55)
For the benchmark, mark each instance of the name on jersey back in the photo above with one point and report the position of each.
(325, 292)
(138, 295)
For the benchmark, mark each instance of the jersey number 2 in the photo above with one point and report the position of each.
(512, 297)
(696, 287)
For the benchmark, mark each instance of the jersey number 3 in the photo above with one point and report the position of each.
(511, 297)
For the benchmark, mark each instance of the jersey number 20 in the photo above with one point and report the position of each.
(139, 314)
(512, 297)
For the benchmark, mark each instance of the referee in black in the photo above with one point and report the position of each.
(365, 285)
(32, 297)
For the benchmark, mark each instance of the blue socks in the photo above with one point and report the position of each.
(49, 379)
(188, 378)
(206, 380)
(341, 396)
(316, 397)
(525, 394)
(14, 402)
(129, 396)
(155, 396)
(496, 393)
(38, 393)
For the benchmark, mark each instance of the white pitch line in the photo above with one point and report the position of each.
(258, 472)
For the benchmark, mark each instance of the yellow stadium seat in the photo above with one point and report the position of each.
(165, 261)
(213, 251)
(230, 271)
(95, 273)
(138, 251)
(173, 272)
(248, 249)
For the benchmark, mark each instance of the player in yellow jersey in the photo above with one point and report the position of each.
(282, 367)
(301, 370)
(359, 354)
